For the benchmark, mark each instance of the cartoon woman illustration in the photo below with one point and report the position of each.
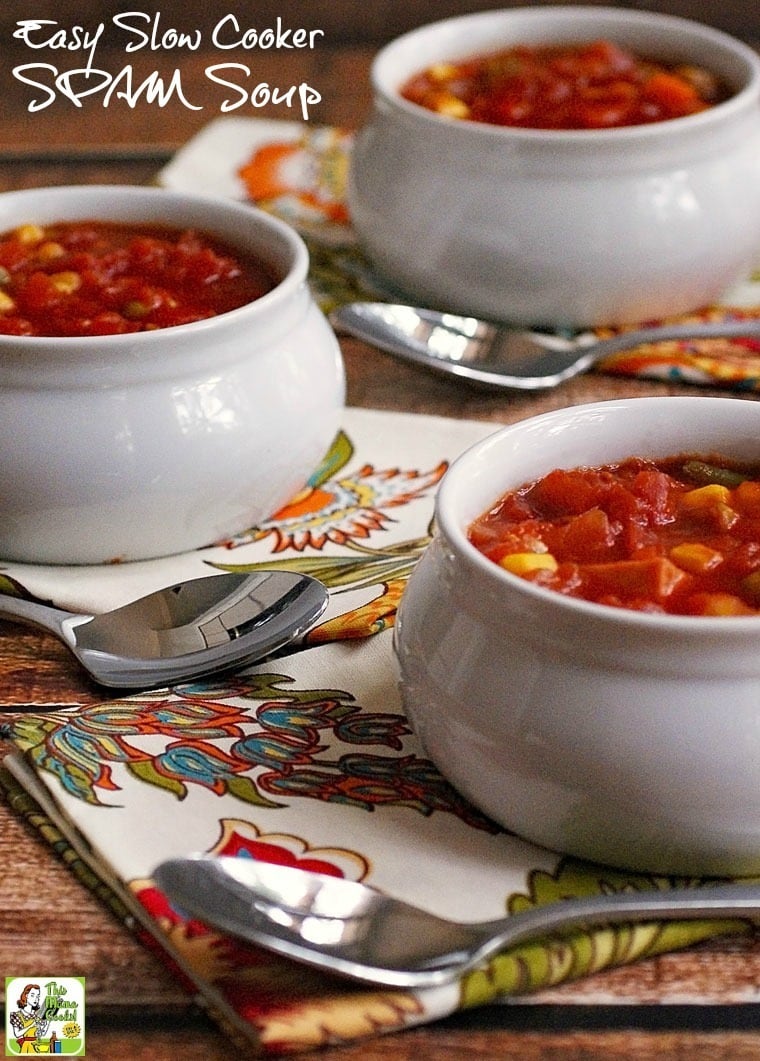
(29, 1025)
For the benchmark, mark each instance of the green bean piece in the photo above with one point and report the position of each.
(703, 474)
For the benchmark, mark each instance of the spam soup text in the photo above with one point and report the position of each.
(71, 69)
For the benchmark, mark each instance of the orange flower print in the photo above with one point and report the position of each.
(733, 362)
(303, 179)
(378, 615)
(343, 510)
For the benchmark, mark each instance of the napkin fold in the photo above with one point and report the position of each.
(304, 760)
(299, 173)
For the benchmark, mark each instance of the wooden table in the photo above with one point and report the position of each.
(49, 925)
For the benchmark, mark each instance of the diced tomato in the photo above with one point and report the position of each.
(655, 488)
(586, 538)
(653, 580)
(567, 492)
(38, 294)
(717, 604)
(99, 278)
(589, 85)
(638, 535)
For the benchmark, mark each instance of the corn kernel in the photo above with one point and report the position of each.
(50, 250)
(705, 496)
(441, 71)
(30, 234)
(7, 305)
(523, 563)
(712, 503)
(135, 309)
(452, 107)
(66, 282)
(695, 557)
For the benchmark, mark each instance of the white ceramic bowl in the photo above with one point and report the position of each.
(628, 738)
(126, 447)
(574, 227)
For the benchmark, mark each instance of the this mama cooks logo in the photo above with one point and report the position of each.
(44, 1015)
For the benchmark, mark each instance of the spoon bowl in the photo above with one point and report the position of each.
(493, 355)
(350, 928)
(194, 628)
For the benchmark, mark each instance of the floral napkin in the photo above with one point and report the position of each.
(299, 173)
(305, 760)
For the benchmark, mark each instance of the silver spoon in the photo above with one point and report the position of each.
(497, 356)
(352, 929)
(194, 628)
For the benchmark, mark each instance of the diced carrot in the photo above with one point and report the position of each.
(671, 91)
(747, 497)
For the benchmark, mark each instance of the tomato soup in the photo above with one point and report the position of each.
(679, 536)
(78, 278)
(594, 85)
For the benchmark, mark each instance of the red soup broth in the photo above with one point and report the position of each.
(679, 535)
(79, 278)
(592, 85)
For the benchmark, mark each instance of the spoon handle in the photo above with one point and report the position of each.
(724, 329)
(55, 620)
(724, 902)
(496, 355)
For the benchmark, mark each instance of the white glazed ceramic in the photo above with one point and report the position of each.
(627, 738)
(127, 447)
(551, 227)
